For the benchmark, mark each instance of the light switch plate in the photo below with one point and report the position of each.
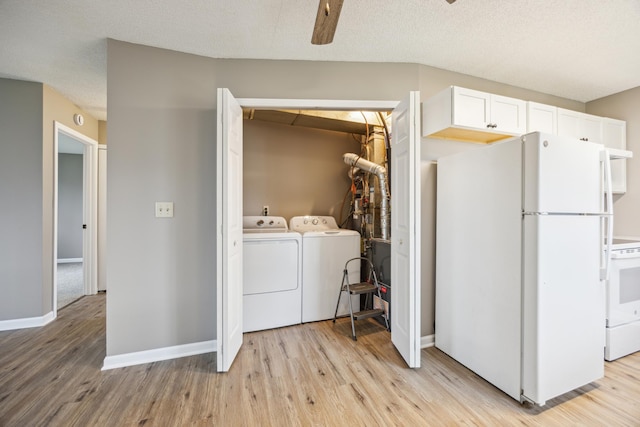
(164, 209)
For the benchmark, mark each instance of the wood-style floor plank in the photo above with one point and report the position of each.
(311, 374)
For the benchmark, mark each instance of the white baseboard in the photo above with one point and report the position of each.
(29, 322)
(158, 354)
(68, 260)
(428, 341)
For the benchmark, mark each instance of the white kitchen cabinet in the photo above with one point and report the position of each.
(473, 116)
(579, 125)
(614, 137)
(542, 118)
(469, 115)
(509, 114)
(610, 132)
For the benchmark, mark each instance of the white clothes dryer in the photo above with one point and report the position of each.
(325, 250)
(272, 274)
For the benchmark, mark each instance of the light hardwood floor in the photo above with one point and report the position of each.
(311, 374)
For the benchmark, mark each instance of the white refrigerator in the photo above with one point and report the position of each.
(519, 262)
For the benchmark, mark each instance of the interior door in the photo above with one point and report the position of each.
(229, 230)
(405, 229)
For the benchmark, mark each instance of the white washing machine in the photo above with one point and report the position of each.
(272, 274)
(325, 250)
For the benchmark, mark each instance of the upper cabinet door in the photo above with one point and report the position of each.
(508, 114)
(542, 118)
(579, 125)
(569, 123)
(591, 128)
(614, 135)
(471, 108)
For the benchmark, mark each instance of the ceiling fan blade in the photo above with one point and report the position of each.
(326, 21)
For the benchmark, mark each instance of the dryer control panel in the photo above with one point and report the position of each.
(313, 223)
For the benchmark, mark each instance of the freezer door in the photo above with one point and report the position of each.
(563, 305)
(561, 174)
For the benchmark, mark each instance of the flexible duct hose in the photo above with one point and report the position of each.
(374, 168)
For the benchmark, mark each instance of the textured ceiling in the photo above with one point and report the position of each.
(576, 49)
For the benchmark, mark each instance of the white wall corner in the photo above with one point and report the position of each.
(428, 341)
(29, 322)
(158, 354)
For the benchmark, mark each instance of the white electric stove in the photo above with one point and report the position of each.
(623, 299)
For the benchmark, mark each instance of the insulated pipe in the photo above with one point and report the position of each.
(374, 168)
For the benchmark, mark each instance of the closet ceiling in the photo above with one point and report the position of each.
(576, 49)
(357, 122)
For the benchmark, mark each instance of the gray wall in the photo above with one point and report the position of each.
(162, 148)
(21, 195)
(69, 206)
(27, 114)
(625, 106)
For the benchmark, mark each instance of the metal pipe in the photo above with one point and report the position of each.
(374, 168)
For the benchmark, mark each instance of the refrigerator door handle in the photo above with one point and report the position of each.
(604, 272)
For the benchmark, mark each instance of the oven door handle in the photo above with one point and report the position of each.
(608, 215)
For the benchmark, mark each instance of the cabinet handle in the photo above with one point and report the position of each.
(492, 125)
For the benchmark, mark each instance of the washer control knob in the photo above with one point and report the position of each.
(315, 221)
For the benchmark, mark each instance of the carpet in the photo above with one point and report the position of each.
(70, 283)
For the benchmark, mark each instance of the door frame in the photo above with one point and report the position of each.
(310, 104)
(89, 208)
(101, 265)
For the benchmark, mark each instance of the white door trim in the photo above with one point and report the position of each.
(90, 209)
(317, 104)
(101, 265)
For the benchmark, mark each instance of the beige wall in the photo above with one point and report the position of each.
(102, 132)
(625, 106)
(295, 170)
